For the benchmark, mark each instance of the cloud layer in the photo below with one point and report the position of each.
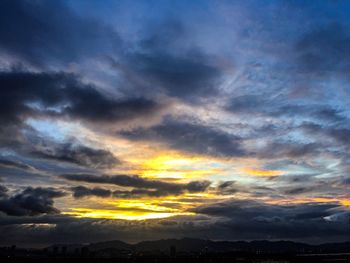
(171, 123)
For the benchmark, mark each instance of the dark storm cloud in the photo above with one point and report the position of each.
(41, 32)
(25, 94)
(304, 184)
(52, 229)
(61, 95)
(240, 220)
(82, 191)
(253, 210)
(197, 186)
(288, 149)
(249, 219)
(324, 50)
(247, 104)
(161, 188)
(254, 190)
(299, 190)
(189, 137)
(55, 218)
(139, 193)
(38, 31)
(94, 107)
(161, 63)
(282, 107)
(339, 134)
(329, 114)
(226, 184)
(200, 139)
(347, 181)
(31, 201)
(318, 112)
(14, 164)
(77, 154)
(3, 191)
(46, 33)
(227, 188)
(46, 229)
(188, 77)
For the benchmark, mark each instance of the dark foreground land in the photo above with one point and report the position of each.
(226, 257)
(183, 250)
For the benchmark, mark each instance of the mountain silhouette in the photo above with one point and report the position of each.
(201, 245)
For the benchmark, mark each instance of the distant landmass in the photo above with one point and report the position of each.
(187, 250)
(190, 245)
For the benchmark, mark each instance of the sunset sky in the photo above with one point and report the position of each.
(140, 120)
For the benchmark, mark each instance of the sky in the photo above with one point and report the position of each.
(143, 120)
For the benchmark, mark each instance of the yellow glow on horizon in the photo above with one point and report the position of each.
(345, 202)
(174, 166)
(261, 172)
(134, 209)
(151, 205)
(121, 214)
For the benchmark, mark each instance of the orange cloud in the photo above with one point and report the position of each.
(260, 172)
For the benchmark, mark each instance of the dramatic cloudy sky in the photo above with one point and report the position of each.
(139, 120)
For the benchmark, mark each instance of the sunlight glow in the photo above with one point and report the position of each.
(121, 214)
(261, 172)
(175, 166)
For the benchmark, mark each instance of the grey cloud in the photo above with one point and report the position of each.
(82, 191)
(250, 219)
(41, 31)
(337, 133)
(288, 149)
(62, 94)
(31, 201)
(247, 104)
(250, 209)
(299, 190)
(77, 154)
(3, 191)
(188, 77)
(197, 186)
(281, 107)
(341, 217)
(137, 193)
(227, 188)
(206, 140)
(241, 220)
(14, 164)
(161, 64)
(325, 50)
(158, 187)
(189, 137)
(347, 181)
